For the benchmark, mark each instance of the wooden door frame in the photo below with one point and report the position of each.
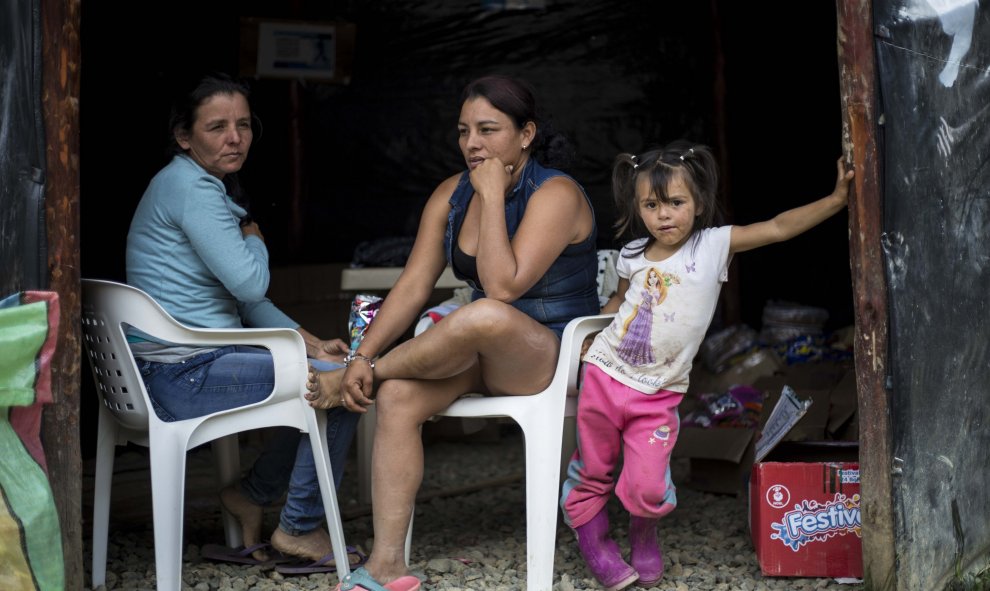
(60, 54)
(857, 80)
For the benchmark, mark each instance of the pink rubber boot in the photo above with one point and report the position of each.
(646, 555)
(602, 555)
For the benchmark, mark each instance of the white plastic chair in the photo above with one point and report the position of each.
(126, 416)
(541, 417)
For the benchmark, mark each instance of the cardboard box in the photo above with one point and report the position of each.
(805, 519)
(721, 458)
(812, 425)
(833, 388)
(804, 499)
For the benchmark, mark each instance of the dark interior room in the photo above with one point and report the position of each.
(345, 162)
(612, 76)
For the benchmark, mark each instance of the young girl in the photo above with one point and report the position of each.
(637, 370)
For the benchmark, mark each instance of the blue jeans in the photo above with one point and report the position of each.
(235, 376)
(222, 379)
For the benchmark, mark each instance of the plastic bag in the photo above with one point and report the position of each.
(718, 350)
(740, 406)
(30, 537)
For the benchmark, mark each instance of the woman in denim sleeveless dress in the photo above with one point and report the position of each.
(523, 236)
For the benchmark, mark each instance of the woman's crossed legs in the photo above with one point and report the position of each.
(487, 347)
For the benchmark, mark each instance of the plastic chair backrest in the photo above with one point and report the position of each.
(120, 387)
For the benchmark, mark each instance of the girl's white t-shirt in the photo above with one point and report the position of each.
(652, 341)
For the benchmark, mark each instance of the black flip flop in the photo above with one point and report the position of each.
(323, 565)
(242, 555)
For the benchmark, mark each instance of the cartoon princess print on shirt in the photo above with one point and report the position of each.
(635, 347)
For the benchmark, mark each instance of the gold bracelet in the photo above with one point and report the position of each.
(352, 356)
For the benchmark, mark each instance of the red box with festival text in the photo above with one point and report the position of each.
(805, 519)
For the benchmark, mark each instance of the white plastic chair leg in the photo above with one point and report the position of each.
(105, 445)
(412, 517)
(365, 441)
(168, 479)
(568, 444)
(227, 458)
(542, 486)
(409, 535)
(317, 427)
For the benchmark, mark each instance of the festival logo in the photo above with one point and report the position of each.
(811, 521)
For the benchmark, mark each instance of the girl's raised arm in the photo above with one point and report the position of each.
(795, 221)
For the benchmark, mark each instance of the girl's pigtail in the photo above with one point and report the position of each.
(624, 192)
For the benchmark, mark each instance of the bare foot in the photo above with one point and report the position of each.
(247, 514)
(324, 388)
(313, 545)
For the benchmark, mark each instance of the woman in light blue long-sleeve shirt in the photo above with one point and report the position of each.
(197, 252)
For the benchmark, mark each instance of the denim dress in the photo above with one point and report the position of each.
(569, 288)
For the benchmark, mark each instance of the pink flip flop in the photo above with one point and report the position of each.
(360, 579)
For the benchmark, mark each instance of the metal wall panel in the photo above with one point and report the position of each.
(23, 259)
(934, 64)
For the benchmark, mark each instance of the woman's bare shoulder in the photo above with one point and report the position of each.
(447, 186)
(438, 201)
(561, 191)
(561, 185)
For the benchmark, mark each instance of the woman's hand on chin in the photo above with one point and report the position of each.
(491, 178)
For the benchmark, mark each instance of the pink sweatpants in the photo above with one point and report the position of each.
(614, 418)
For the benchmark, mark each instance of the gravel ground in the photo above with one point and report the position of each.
(706, 540)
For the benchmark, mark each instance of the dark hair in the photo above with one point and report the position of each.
(515, 98)
(183, 115)
(693, 162)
